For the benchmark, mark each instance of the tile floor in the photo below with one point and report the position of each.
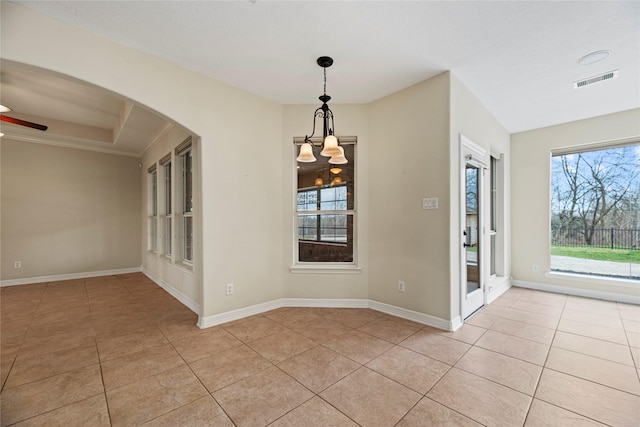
(120, 351)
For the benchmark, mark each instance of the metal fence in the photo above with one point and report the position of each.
(610, 238)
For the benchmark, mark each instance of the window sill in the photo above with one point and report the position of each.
(600, 280)
(325, 269)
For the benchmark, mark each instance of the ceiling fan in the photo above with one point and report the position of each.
(20, 122)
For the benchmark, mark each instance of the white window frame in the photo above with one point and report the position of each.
(152, 209)
(185, 209)
(325, 267)
(167, 204)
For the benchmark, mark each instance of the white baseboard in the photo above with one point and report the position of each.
(603, 295)
(70, 276)
(184, 299)
(241, 313)
(425, 319)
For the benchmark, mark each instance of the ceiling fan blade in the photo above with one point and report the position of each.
(23, 123)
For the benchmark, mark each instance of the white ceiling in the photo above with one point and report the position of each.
(519, 58)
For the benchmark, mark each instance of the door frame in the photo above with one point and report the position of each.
(474, 154)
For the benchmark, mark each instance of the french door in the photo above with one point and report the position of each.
(472, 242)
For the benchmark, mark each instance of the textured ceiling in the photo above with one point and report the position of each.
(519, 58)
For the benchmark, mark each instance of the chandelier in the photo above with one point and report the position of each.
(330, 146)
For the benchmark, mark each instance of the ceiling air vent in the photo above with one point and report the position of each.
(595, 79)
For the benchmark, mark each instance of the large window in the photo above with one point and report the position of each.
(152, 221)
(168, 210)
(170, 206)
(325, 209)
(595, 211)
(186, 159)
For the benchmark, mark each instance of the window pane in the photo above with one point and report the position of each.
(167, 243)
(167, 187)
(188, 238)
(595, 200)
(188, 182)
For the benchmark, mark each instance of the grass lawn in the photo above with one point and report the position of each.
(586, 252)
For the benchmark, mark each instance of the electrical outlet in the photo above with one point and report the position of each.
(534, 267)
(229, 288)
(401, 286)
(17, 264)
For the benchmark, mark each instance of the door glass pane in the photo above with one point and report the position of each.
(472, 248)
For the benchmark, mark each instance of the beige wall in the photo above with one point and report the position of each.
(530, 171)
(409, 160)
(67, 211)
(351, 120)
(241, 165)
(471, 119)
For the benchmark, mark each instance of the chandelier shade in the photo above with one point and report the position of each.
(330, 143)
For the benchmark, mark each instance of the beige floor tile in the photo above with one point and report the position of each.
(137, 366)
(589, 305)
(520, 348)
(481, 400)
(545, 298)
(318, 368)
(534, 307)
(112, 347)
(593, 347)
(593, 331)
(371, 399)
(29, 369)
(5, 368)
(314, 412)
(281, 345)
(106, 324)
(39, 346)
(508, 371)
(629, 311)
(436, 346)
(524, 330)
(28, 400)
(467, 333)
(613, 322)
(389, 330)
(482, 320)
(227, 367)
(179, 329)
(633, 339)
(251, 330)
(595, 401)
(631, 325)
(68, 328)
(197, 347)
(635, 352)
(152, 397)
(543, 414)
(358, 346)
(611, 374)
(202, 412)
(261, 398)
(89, 412)
(9, 347)
(524, 316)
(291, 315)
(430, 413)
(411, 369)
(354, 317)
(320, 331)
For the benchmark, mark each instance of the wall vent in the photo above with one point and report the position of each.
(595, 79)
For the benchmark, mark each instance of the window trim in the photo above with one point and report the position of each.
(181, 152)
(152, 209)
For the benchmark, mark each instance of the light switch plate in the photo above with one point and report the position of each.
(430, 203)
